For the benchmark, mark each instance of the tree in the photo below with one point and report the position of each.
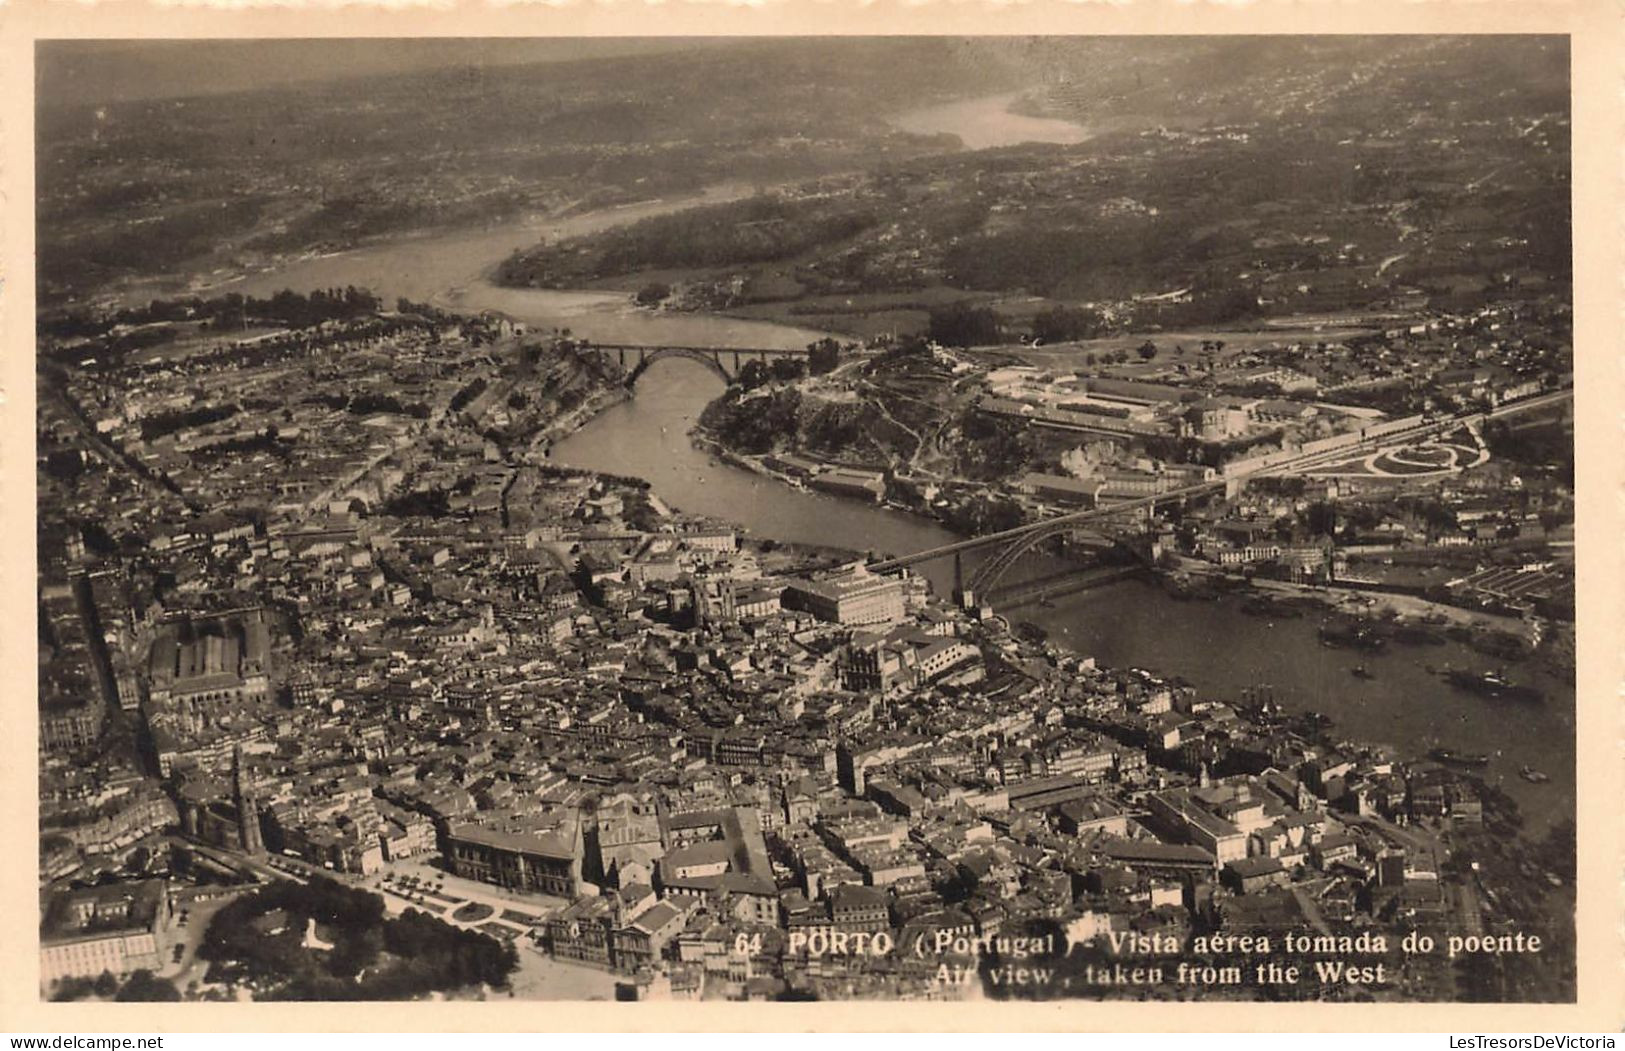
(1322, 518)
(785, 370)
(823, 356)
(67, 990)
(1147, 350)
(752, 374)
(145, 987)
(652, 293)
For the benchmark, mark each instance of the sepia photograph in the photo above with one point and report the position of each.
(770, 519)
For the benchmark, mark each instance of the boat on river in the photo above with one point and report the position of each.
(1356, 637)
(1491, 684)
(1455, 758)
(1360, 671)
(1533, 776)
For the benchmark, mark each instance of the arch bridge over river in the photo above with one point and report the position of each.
(725, 362)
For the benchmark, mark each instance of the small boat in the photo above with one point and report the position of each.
(1533, 776)
(1455, 758)
(1492, 684)
(1354, 637)
(1360, 671)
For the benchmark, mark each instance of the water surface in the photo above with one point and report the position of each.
(987, 122)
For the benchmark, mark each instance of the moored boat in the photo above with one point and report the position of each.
(1455, 758)
(1491, 684)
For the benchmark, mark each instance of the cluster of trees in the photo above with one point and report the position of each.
(1225, 306)
(755, 373)
(964, 324)
(230, 312)
(758, 425)
(373, 957)
(836, 428)
(160, 424)
(983, 513)
(367, 404)
(992, 448)
(1037, 257)
(652, 293)
(1533, 445)
(419, 503)
(823, 356)
(268, 441)
(141, 987)
(472, 390)
(1062, 323)
(427, 311)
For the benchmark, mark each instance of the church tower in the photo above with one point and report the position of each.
(248, 811)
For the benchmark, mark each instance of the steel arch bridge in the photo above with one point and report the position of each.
(989, 573)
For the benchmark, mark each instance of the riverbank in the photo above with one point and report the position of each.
(564, 426)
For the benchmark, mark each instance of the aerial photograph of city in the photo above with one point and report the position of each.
(806, 518)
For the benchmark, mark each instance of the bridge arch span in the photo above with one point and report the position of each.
(990, 572)
(710, 359)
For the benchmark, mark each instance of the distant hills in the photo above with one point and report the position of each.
(1306, 171)
(1240, 177)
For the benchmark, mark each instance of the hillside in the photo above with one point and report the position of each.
(149, 185)
(1256, 178)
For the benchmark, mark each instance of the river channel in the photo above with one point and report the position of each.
(1132, 623)
(984, 123)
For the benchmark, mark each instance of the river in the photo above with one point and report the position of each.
(984, 123)
(1210, 644)
(451, 270)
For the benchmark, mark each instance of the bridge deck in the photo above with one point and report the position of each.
(649, 347)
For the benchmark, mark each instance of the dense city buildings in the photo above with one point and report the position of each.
(349, 669)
